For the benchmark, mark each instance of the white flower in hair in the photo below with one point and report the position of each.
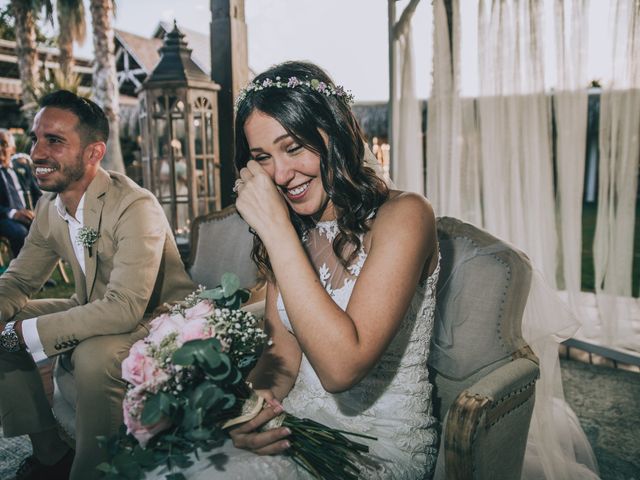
(314, 84)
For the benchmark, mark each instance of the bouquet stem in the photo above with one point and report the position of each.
(325, 452)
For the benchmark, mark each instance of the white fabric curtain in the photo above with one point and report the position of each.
(490, 159)
(515, 129)
(618, 178)
(406, 144)
(500, 150)
(453, 175)
(570, 107)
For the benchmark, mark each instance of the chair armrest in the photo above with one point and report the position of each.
(486, 430)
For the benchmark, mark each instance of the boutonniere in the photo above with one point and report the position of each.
(87, 236)
(21, 171)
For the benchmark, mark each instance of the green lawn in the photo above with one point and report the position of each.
(61, 290)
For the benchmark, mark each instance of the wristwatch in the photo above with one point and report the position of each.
(9, 340)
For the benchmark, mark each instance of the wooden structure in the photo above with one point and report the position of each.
(229, 69)
(179, 132)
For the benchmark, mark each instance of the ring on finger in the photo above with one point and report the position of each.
(237, 185)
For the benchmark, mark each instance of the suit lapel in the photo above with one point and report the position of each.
(93, 205)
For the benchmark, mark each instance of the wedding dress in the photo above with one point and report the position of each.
(392, 403)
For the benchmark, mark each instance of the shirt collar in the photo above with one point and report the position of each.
(62, 211)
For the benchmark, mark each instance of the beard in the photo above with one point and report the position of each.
(65, 175)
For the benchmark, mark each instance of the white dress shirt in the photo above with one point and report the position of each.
(29, 326)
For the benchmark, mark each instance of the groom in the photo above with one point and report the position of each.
(125, 263)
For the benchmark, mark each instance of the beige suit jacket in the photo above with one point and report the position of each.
(133, 267)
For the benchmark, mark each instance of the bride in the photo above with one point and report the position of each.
(351, 269)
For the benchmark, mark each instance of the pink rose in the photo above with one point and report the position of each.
(138, 367)
(194, 330)
(200, 310)
(132, 408)
(157, 321)
(169, 324)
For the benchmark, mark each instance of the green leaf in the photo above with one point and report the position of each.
(183, 356)
(207, 356)
(105, 467)
(176, 476)
(211, 398)
(202, 392)
(200, 434)
(191, 419)
(230, 283)
(145, 458)
(222, 369)
(244, 294)
(229, 401)
(181, 460)
(126, 465)
(152, 412)
(232, 303)
(213, 294)
(166, 402)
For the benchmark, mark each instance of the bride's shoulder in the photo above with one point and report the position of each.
(405, 214)
(406, 207)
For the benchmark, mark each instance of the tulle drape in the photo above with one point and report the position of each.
(489, 160)
(618, 179)
(570, 103)
(509, 132)
(453, 171)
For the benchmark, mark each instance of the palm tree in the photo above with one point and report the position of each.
(105, 82)
(25, 14)
(72, 25)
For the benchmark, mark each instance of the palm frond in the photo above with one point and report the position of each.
(71, 15)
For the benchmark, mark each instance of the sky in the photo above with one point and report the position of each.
(348, 38)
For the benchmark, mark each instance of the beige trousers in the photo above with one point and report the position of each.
(96, 364)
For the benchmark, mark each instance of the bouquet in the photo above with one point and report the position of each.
(187, 384)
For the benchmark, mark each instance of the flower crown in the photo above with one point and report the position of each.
(327, 89)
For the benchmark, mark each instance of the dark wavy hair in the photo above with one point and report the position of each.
(92, 121)
(354, 188)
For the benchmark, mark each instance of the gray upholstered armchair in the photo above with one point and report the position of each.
(483, 372)
(221, 242)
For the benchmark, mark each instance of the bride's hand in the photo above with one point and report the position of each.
(249, 437)
(259, 201)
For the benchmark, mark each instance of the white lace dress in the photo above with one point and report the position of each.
(392, 403)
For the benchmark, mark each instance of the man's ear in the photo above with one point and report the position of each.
(94, 152)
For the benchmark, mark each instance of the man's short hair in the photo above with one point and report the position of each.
(11, 140)
(91, 118)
